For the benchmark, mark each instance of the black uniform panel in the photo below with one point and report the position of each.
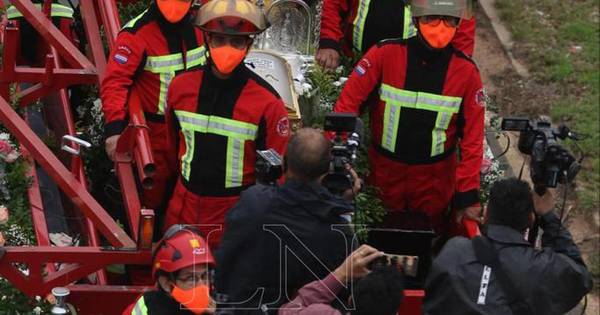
(414, 132)
(384, 20)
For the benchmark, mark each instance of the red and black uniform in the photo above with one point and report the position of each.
(216, 126)
(148, 53)
(354, 26)
(31, 48)
(428, 104)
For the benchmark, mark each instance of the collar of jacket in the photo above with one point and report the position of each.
(314, 199)
(236, 78)
(160, 302)
(505, 234)
(426, 53)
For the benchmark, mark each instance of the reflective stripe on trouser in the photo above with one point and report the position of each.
(57, 10)
(395, 99)
(237, 134)
(409, 29)
(166, 66)
(140, 307)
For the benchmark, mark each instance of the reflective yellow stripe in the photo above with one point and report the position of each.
(174, 62)
(167, 65)
(237, 132)
(359, 23)
(57, 10)
(395, 99)
(234, 169)
(438, 134)
(165, 81)
(409, 29)
(140, 307)
(135, 19)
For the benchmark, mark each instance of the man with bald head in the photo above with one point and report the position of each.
(280, 238)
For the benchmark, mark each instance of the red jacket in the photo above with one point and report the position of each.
(428, 104)
(344, 29)
(216, 126)
(149, 53)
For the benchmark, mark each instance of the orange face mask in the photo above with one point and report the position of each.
(174, 10)
(227, 58)
(437, 35)
(196, 300)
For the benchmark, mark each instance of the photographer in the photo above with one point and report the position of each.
(376, 292)
(280, 238)
(501, 273)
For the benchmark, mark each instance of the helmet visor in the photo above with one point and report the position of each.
(462, 9)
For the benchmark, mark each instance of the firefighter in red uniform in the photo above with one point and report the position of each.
(430, 102)
(149, 51)
(354, 26)
(32, 49)
(219, 115)
(181, 268)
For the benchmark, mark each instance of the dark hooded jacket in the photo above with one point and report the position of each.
(551, 281)
(277, 239)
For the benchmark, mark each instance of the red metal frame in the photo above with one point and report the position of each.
(133, 148)
(51, 82)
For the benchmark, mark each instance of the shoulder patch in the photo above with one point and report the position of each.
(481, 97)
(283, 127)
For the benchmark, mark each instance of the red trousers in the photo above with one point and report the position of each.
(157, 197)
(412, 192)
(208, 213)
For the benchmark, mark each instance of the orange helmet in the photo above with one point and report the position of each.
(232, 17)
(181, 247)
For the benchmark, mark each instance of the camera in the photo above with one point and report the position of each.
(550, 162)
(268, 167)
(343, 151)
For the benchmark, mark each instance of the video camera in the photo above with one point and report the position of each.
(550, 162)
(343, 151)
(268, 167)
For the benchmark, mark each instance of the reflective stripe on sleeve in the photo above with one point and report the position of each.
(57, 10)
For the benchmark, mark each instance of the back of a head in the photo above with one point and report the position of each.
(510, 204)
(308, 154)
(378, 293)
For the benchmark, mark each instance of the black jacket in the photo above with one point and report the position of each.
(552, 280)
(294, 232)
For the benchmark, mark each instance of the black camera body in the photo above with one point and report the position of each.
(550, 162)
(268, 167)
(343, 151)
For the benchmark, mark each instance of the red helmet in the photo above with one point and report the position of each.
(181, 247)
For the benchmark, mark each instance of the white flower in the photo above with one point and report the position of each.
(37, 310)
